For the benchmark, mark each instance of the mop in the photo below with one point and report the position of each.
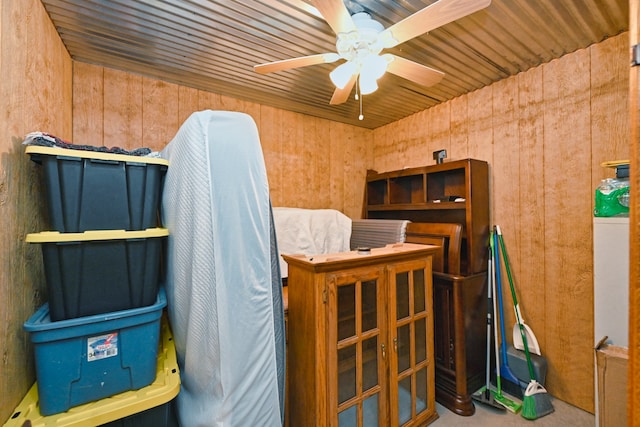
(511, 383)
(497, 395)
(536, 402)
(485, 395)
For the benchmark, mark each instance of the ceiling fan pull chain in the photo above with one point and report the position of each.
(359, 97)
(357, 87)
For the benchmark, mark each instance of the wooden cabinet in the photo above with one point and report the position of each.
(360, 349)
(460, 329)
(428, 195)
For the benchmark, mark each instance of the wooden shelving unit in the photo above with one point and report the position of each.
(451, 192)
(422, 195)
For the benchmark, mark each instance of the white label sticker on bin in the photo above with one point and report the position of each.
(102, 347)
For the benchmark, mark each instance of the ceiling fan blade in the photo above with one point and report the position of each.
(303, 61)
(431, 17)
(413, 71)
(336, 15)
(340, 96)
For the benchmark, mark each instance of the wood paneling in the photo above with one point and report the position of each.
(88, 87)
(35, 89)
(159, 99)
(121, 109)
(187, 102)
(459, 117)
(480, 124)
(544, 133)
(546, 130)
(568, 234)
(531, 201)
(270, 130)
(305, 156)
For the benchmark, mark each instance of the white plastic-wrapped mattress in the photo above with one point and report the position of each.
(223, 280)
(310, 232)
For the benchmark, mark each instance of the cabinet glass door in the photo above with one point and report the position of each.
(412, 380)
(357, 339)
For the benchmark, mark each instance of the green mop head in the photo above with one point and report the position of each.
(504, 400)
(507, 403)
(537, 402)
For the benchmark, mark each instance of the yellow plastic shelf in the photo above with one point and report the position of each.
(93, 235)
(614, 163)
(101, 155)
(162, 390)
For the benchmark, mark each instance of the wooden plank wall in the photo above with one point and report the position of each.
(544, 133)
(311, 162)
(35, 95)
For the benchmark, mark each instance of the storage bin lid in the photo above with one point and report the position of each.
(66, 152)
(93, 235)
(622, 167)
(42, 323)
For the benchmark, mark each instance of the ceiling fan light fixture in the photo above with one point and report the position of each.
(361, 39)
(341, 75)
(374, 67)
(367, 84)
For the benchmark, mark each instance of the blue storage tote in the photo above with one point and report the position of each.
(85, 359)
(147, 406)
(100, 271)
(91, 190)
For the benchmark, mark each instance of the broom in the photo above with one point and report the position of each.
(497, 394)
(536, 402)
(511, 383)
(485, 394)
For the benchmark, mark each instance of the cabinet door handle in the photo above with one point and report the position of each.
(395, 345)
(384, 351)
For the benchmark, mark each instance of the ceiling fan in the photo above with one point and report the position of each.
(361, 39)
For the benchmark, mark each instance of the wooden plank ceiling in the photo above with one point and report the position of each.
(213, 45)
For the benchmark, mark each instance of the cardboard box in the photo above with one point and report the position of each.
(612, 364)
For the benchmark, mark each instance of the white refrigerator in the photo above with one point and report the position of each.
(610, 284)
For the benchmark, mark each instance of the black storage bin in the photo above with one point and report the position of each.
(90, 190)
(100, 271)
(160, 416)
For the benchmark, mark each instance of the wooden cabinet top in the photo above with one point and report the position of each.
(341, 260)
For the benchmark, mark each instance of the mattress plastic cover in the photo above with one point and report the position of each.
(223, 281)
(310, 232)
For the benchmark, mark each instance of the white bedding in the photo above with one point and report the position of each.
(310, 232)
